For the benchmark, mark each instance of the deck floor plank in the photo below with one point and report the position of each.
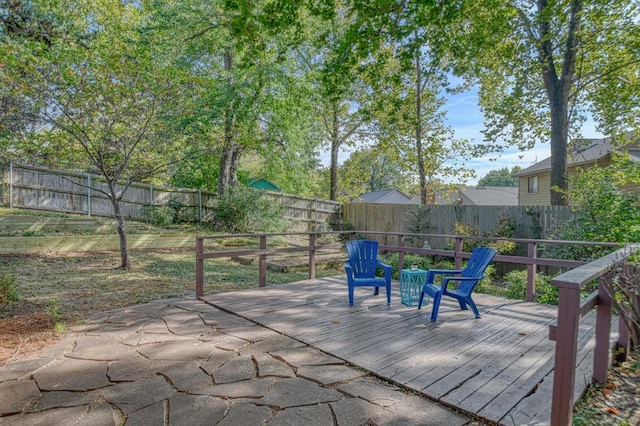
(498, 368)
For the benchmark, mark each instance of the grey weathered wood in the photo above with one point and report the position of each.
(66, 191)
(497, 367)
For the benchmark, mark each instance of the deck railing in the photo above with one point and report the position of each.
(570, 284)
(570, 309)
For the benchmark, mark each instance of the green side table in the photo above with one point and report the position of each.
(411, 283)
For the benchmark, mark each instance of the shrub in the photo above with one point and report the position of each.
(516, 284)
(418, 222)
(247, 210)
(422, 262)
(159, 215)
(8, 292)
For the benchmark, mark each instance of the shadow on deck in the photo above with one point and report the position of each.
(498, 368)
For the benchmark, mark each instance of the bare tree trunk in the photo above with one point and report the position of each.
(122, 232)
(558, 89)
(424, 197)
(235, 161)
(335, 146)
(227, 170)
(559, 136)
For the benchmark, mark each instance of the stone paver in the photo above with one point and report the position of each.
(130, 397)
(73, 375)
(16, 395)
(316, 415)
(184, 362)
(297, 392)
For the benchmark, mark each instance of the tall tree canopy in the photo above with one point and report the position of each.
(500, 177)
(544, 65)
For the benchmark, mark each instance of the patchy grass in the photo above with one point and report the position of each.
(75, 286)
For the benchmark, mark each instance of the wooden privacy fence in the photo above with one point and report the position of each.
(40, 188)
(532, 222)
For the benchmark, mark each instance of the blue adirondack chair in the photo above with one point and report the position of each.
(467, 278)
(361, 268)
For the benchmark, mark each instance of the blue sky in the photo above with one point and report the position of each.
(465, 117)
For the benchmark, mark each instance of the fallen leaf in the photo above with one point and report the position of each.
(612, 410)
(336, 321)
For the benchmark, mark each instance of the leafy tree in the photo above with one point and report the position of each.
(369, 169)
(98, 106)
(247, 83)
(605, 205)
(543, 65)
(500, 177)
(410, 120)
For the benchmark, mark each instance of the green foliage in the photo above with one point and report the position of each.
(500, 177)
(419, 222)
(199, 172)
(422, 262)
(516, 284)
(159, 215)
(246, 210)
(602, 210)
(466, 230)
(505, 228)
(8, 292)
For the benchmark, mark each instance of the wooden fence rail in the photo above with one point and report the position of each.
(31, 187)
(570, 307)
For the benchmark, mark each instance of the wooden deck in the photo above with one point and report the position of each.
(498, 368)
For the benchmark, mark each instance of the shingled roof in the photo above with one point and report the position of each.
(586, 151)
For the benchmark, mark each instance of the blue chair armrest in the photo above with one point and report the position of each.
(348, 269)
(431, 273)
(388, 270)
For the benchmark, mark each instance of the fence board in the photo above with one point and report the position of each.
(71, 192)
(535, 222)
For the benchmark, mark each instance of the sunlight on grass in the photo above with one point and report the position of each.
(76, 287)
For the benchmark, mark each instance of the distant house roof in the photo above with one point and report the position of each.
(585, 151)
(476, 196)
(489, 195)
(386, 196)
(262, 183)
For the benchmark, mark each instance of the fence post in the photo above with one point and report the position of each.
(312, 256)
(199, 267)
(262, 264)
(400, 254)
(603, 331)
(200, 205)
(89, 194)
(11, 185)
(565, 355)
(458, 249)
(532, 253)
(150, 195)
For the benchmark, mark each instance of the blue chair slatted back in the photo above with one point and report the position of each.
(363, 257)
(478, 262)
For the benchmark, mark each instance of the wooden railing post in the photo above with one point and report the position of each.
(262, 263)
(565, 356)
(457, 250)
(312, 256)
(603, 331)
(400, 253)
(199, 267)
(532, 253)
